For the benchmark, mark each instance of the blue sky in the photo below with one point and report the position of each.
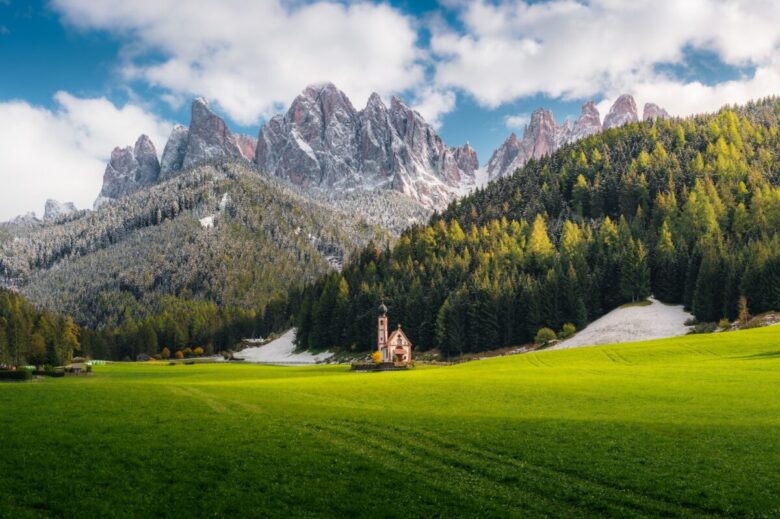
(81, 76)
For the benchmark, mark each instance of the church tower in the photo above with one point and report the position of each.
(381, 343)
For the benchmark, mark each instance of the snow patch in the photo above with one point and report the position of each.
(281, 351)
(632, 323)
(207, 222)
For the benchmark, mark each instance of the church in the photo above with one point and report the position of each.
(396, 348)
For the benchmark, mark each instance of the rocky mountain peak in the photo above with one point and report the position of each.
(130, 168)
(541, 134)
(175, 149)
(652, 112)
(208, 136)
(623, 111)
(323, 142)
(502, 161)
(588, 123)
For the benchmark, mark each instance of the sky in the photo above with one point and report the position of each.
(79, 77)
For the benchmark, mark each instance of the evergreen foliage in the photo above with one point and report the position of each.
(686, 209)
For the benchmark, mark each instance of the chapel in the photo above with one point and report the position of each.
(397, 348)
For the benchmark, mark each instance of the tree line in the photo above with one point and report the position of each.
(687, 210)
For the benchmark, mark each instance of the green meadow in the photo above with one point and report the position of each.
(685, 427)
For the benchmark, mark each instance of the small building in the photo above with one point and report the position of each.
(397, 348)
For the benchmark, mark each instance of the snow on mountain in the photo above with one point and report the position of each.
(324, 142)
(543, 136)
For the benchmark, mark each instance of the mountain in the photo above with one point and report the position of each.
(652, 111)
(219, 232)
(323, 141)
(543, 136)
(130, 169)
(688, 211)
(623, 111)
(322, 144)
(206, 139)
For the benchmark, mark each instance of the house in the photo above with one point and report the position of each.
(397, 348)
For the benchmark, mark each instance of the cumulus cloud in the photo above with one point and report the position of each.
(572, 50)
(432, 104)
(517, 122)
(252, 57)
(61, 153)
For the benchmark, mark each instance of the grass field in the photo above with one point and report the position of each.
(679, 427)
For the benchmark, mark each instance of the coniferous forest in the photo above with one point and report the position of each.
(687, 210)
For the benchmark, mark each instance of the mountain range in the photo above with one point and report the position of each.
(322, 143)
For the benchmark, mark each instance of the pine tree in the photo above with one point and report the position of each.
(665, 277)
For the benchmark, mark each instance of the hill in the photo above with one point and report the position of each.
(677, 428)
(687, 210)
(220, 233)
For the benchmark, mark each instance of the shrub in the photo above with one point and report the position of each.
(187, 352)
(179, 354)
(165, 353)
(19, 374)
(89, 368)
(377, 357)
(724, 323)
(544, 336)
(197, 351)
(567, 331)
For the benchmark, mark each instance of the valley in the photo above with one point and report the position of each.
(676, 428)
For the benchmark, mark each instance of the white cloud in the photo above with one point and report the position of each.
(571, 50)
(252, 57)
(433, 104)
(515, 122)
(62, 153)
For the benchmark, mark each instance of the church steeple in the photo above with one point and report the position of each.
(381, 343)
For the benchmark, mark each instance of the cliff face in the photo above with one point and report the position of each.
(324, 141)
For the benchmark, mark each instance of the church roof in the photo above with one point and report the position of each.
(395, 334)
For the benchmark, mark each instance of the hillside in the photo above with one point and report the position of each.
(632, 322)
(220, 233)
(683, 427)
(688, 210)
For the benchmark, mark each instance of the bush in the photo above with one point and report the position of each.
(89, 368)
(377, 357)
(179, 354)
(50, 373)
(198, 351)
(544, 336)
(567, 331)
(704, 328)
(165, 353)
(724, 323)
(19, 374)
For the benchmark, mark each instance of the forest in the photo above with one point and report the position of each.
(685, 209)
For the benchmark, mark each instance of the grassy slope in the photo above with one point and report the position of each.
(679, 427)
